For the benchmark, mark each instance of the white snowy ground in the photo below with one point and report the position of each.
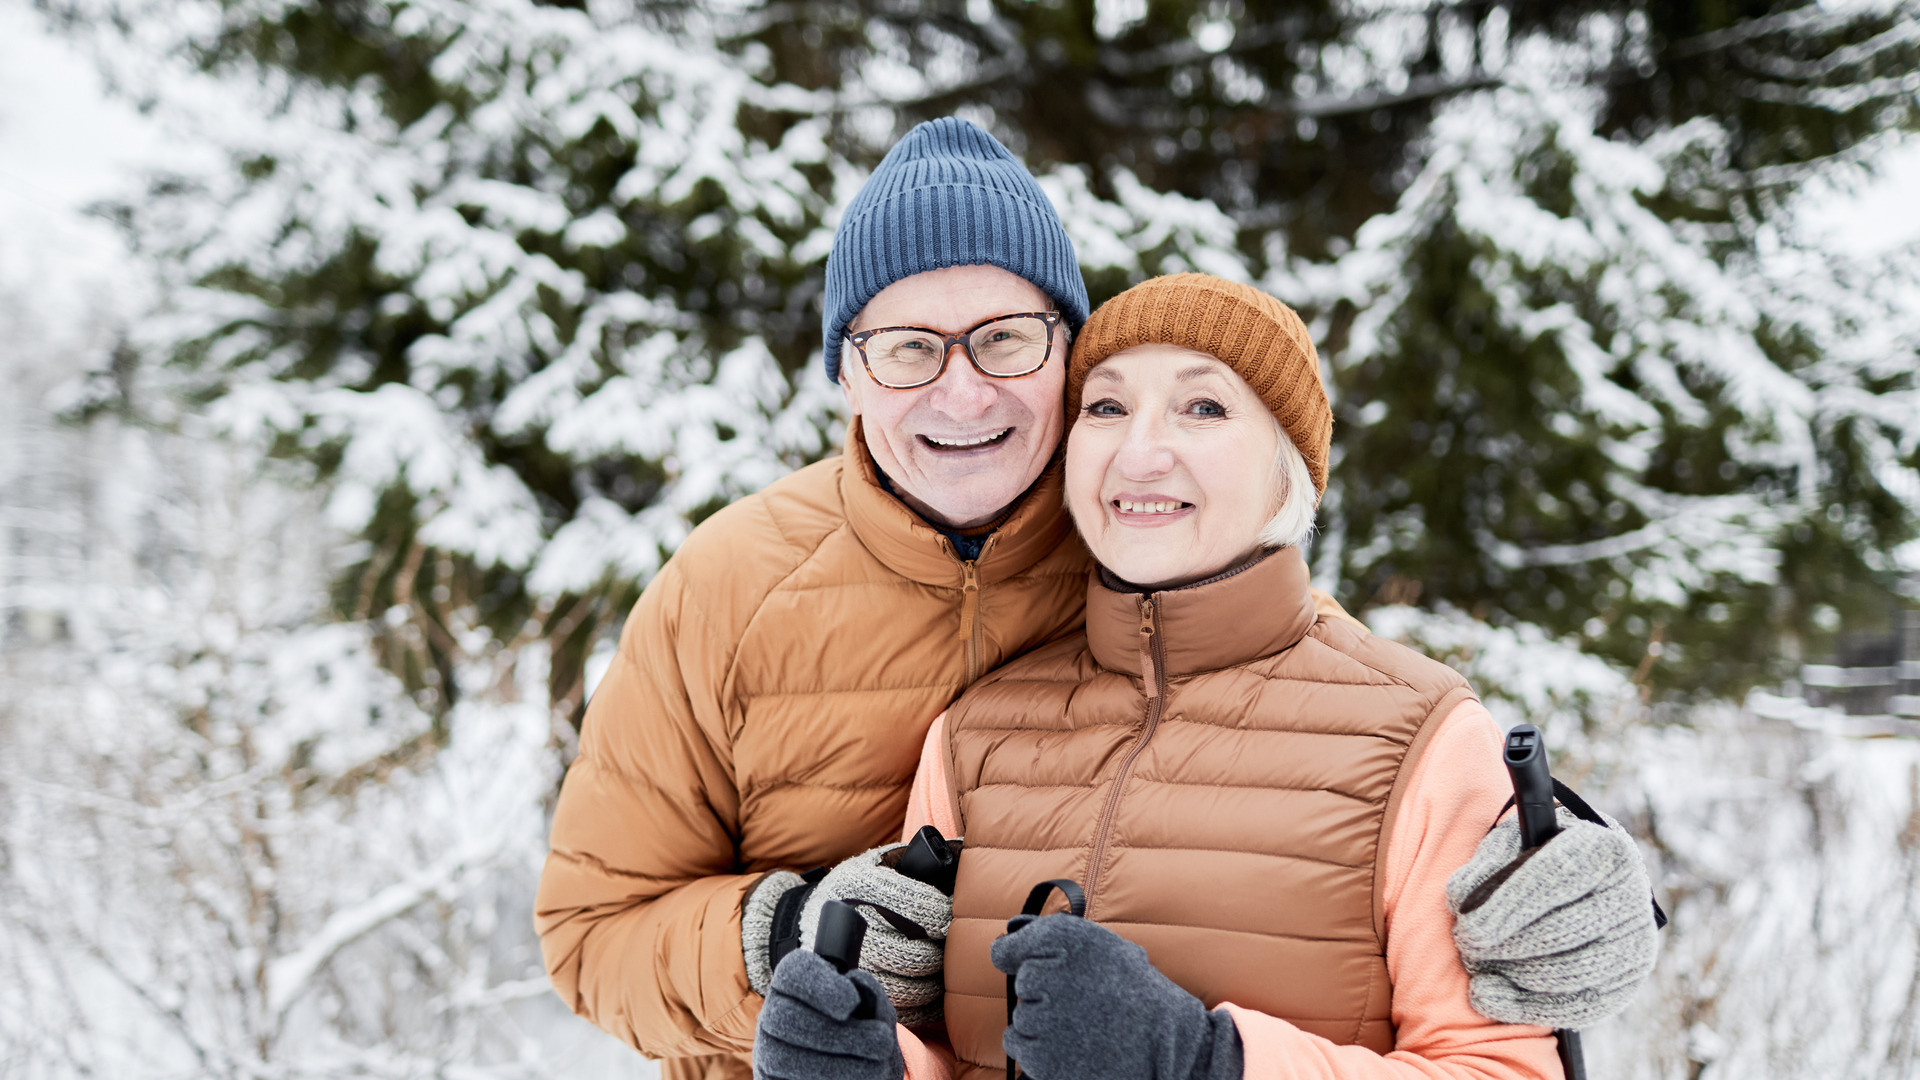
(1783, 847)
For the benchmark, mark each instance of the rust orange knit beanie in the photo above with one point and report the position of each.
(1257, 336)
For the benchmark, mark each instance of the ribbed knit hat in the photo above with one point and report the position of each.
(1257, 336)
(948, 194)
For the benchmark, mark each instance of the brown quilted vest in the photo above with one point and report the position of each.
(1218, 768)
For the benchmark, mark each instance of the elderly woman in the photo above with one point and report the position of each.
(1262, 805)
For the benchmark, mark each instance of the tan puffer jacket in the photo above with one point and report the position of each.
(1219, 769)
(765, 711)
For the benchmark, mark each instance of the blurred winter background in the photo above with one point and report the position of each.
(361, 359)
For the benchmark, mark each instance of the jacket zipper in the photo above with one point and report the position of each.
(1153, 668)
(970, 616)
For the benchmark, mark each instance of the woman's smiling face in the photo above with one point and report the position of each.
(1170, 465)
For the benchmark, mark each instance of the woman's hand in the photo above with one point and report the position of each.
(1092, 1005)
(1563, 937)
(818, 1024)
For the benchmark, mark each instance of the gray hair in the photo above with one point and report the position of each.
(1299, 502)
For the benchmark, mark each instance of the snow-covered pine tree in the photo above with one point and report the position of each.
(1557, 231)
(422, 203)
(526, 286)
(1580, 387)
(533, 283)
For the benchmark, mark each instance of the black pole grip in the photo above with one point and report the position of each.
(929, 859)
(841, 933)
(1526, 758)
(1036, 903)
(837, 941)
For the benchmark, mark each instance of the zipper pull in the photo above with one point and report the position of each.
(1148, 673)
(969, 599)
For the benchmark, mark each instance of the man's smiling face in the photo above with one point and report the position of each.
(962, 448)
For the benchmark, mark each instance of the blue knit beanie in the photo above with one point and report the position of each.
(948, 194)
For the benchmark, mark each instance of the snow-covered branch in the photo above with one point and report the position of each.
(289, 975)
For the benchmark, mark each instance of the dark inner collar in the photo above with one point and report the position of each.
(967, 543)
(1116, 583)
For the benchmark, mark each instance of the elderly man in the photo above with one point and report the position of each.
(773, 686)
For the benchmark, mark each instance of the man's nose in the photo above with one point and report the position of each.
(961, 391)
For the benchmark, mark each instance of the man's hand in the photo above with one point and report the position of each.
(906, 959)
(818, 1024)
(1562, 937)
(1092, 1005)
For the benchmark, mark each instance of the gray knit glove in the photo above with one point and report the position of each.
(907, 967)
(1092, 1005)
(818, 1024)
(1562, 938)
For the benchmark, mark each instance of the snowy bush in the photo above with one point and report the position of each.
(231, 843)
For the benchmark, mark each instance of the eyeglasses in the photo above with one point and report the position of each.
(1003, 347)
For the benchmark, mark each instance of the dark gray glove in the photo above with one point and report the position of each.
(1093, 1006)
(909, 967)
(818, 1024)
(1564, 938)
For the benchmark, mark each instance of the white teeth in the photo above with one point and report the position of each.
(1128, 506)
(973, 441)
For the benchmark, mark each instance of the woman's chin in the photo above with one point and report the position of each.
(1159, 570)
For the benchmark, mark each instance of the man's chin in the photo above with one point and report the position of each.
(961, 491)
(970, 513)
(959, 505)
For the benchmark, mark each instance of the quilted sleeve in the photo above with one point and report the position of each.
(638, 908)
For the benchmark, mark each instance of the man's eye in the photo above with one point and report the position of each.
(1105, 407)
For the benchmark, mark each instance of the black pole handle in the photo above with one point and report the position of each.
(1526, 758)
(837, 941)
(842, 931)
(1036, 903)
(930, 859)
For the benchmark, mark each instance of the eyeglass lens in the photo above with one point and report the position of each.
(1016, 345)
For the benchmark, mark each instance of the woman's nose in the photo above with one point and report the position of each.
(1145, 453)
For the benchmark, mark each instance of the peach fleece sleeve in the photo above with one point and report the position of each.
(929, 802)
(1456, 790)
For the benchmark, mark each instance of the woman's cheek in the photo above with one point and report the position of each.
(1083, 476)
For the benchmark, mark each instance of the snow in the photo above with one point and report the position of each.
(50, 92)
(232, 843)
(1873, 214)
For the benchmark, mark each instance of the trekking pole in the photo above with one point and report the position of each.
(842, 931)
(930, 859)
(1036, 903)
(1526, 758)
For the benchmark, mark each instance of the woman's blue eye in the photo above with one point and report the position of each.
(1105, 407)
(1207, 407)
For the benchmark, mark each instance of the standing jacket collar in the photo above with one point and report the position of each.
(1256, 610)
(909, 546)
